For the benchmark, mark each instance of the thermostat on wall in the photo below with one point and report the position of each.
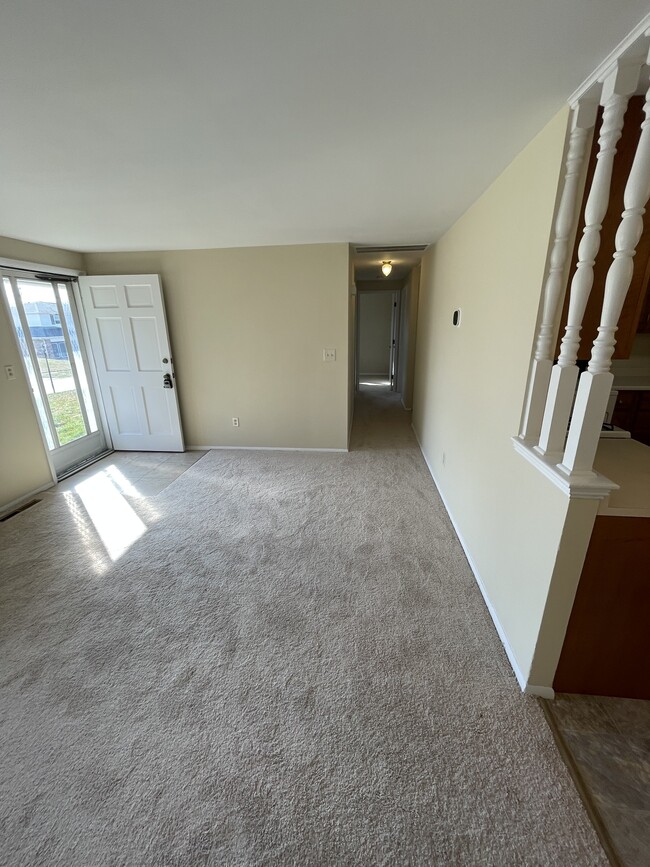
(456, 318)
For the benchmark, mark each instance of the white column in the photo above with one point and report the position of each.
(583, 119)
(596, 382)
(617, 88)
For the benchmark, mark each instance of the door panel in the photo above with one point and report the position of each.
(128, 332)
(147, 343)
(126, 411)
(157, 411)
(113, 344)
(138, 295)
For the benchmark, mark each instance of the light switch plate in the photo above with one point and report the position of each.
(329, 355)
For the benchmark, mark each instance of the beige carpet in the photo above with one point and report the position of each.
(290, 665)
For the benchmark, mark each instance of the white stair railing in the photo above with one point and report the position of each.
(596, 382)
(617, 89)
(583, 119)
(553, 404)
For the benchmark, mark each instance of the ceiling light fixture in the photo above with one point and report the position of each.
(386, 268)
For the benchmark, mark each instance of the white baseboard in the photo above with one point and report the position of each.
(528, 689)
(541, 691)
(18, 502)
(408, 409)
(258, 449)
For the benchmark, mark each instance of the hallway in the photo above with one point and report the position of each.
(603, 739)
(291, 664)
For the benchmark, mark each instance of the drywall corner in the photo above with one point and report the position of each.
(570, 559)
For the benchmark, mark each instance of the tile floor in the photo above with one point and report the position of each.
(608, 742)
(137, 474)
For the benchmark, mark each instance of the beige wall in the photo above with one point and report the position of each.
(469, 389)
(248, 327)
(23, 462)
(375, 309)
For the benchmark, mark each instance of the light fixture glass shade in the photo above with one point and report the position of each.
(386, 268)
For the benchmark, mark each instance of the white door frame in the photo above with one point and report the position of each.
(395, 292)
(80, 323)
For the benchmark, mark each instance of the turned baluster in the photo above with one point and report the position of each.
(582, 122)
(617, 89)
(596, 382)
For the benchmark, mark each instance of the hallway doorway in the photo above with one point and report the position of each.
(378, 335)
(385, 327)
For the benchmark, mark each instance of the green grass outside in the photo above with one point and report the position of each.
(58, 367)
(67, 416)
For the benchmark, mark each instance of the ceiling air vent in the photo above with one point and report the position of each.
(404, 248)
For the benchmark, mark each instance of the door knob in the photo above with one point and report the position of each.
(167, 381)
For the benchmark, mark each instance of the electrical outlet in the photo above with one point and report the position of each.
(235, 422)
(10, 372)
(329, 355)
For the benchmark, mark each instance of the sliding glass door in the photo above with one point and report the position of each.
(45, 318)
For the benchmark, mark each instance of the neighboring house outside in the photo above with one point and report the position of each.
(45, 327)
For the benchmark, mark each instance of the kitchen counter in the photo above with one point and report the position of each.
(632, 383)
(626, 462)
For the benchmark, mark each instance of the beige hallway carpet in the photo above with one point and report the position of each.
(291, 665)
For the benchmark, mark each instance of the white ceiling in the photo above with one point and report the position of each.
(153, 124)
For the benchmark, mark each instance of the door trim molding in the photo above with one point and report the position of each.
(39, 266)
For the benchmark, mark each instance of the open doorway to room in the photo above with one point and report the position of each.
(378, 318)
(386, 319)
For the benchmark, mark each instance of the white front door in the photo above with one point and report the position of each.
(130, 343)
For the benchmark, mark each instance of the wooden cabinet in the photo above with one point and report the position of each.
(644, 320)
(632, 412)
(636, 310)
(607, 643)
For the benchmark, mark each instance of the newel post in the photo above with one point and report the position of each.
(583, 119)
(619, 85)
(596, 382)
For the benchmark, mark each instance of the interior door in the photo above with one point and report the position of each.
(130, 343)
